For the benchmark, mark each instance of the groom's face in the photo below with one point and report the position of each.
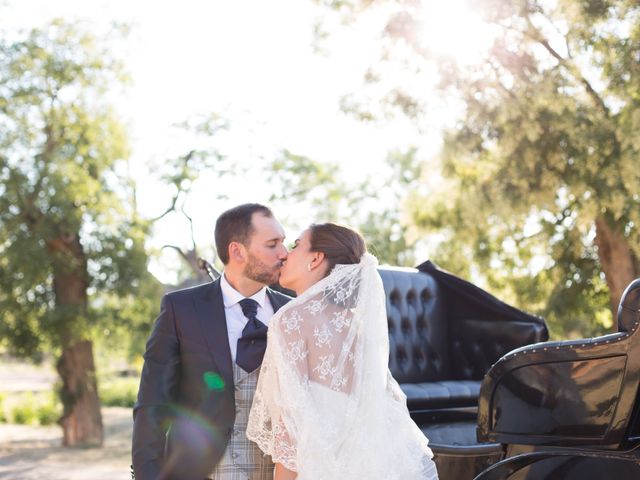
(266, 250)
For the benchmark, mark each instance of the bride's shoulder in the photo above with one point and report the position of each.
(299, 312)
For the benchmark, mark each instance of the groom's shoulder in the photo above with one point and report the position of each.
(190, 292)
(281, 297)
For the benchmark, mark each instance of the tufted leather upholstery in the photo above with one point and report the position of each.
(418, 338)
(441, 343)
(419, 346)
(442, 394)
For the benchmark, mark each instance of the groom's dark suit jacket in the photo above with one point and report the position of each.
(185, 409)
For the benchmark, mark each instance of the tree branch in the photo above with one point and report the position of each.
(179, 250)
(179, 188)
(537, 36)
(193, 239)
(171, 208)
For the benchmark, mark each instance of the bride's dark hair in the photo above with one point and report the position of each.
(340, 244)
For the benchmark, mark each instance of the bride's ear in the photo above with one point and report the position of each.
(317, 259)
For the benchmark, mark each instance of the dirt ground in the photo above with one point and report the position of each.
(34, 453)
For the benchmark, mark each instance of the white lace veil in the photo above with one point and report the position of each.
(325, 396)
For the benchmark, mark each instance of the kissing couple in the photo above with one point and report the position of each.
(224, 397)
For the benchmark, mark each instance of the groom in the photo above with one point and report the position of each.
(202, 361)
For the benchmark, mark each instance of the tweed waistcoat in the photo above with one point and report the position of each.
(243, 460)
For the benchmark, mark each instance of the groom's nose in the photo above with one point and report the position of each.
(283, 253)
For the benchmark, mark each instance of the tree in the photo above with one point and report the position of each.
(203, 161)
(121, 323)
(69, 229)
(374, 206)
(541, 168)
(547, 136)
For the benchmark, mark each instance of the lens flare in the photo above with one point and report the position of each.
(213, 381)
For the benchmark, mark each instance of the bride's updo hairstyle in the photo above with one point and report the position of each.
(340, 244)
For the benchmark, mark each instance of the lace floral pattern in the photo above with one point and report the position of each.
(314, 307)
(296, 351)
(292, 322)
(325, 367)
(340, 320)
(324, 372)
(322, 336)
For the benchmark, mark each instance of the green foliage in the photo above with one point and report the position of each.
(201, 161)
(49, 411)
(543, 145)
(372, 205)
(301, 179)
(118, 391)
(34, 409)
(67, 219)
(540, 191)
(3, 414)
(121, 323)
(25, 412)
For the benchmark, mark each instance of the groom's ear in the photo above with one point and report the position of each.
(237, 252)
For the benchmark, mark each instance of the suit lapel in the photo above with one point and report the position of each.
(213, 326)
(213, 323)
(277, 301)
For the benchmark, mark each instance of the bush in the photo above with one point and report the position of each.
(25, 412)
(118, 392)
(31, 410)
(3, 416)
(49, 411)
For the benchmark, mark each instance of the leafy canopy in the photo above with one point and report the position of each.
(63, 153)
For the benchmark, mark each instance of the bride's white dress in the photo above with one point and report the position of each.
(326, 405)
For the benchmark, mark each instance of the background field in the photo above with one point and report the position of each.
(33, 451)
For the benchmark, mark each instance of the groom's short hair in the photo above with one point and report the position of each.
(235, 225)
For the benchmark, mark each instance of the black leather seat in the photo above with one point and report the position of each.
(568, 409)
(420, 358)
(444, 334)
(442, 394)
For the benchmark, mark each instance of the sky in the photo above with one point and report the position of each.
(253, 62)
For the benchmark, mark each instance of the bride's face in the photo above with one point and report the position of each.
(294, 270)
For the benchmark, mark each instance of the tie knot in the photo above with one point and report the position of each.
(249, 307)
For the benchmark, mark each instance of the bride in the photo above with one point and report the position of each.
(326, 406)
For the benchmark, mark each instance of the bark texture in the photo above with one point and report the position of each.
(82, 419)
(618, 262)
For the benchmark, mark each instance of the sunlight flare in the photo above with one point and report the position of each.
(454, 29)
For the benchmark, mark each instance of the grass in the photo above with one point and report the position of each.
(24, 413)
(48, 413)
(3, 415)
(118, 391)
(31, 409)
(45, 408)
(117, 386)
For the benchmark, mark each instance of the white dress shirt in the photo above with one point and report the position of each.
(236, 320)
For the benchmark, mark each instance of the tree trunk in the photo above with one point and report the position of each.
(81, 419)
(618, 262)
